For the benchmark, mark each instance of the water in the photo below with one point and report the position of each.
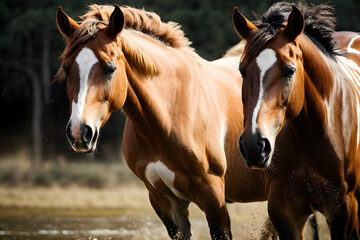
(87, 228)
(136, 224)
(114, 224)
(89, 214)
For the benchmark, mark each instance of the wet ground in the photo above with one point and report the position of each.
(87, 228)
(121, 213)
(23, 223)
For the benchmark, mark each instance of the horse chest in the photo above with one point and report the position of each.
(308, 188)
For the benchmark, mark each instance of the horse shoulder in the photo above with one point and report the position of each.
(138, 154)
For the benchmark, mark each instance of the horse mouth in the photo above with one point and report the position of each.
(83, 149)
(262, 164)
(266, 163)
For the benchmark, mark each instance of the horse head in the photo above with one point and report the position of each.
(96, 80)
(273, 83)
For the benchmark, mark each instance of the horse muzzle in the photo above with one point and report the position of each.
(255, 150)
(81, 137)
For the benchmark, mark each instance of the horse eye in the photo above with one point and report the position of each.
(110, 69)
(290, 71)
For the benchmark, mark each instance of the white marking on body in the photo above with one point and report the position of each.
(156, 171)
(265, 60)
(223, 134)
(330, 104)
(352, 71)
(346, 128)
(86, 59)
(350, 49)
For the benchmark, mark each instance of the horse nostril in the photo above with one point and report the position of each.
(88, 134)
(261, 146)
(264, 147)
(267, 149)
(241, 147)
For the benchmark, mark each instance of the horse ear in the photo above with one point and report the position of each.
(116, 23)
(65, 23)
(295, 24)
(242, 26)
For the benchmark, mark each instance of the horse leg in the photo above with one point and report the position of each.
(343, 219)
(288, 213)
(210, 198)
(356, 200)
(338, 221)
(173, 212)
(353, 225)
(219, 231)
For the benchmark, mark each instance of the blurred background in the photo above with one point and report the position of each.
(34, 151)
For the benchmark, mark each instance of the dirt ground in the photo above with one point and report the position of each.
(117, 213)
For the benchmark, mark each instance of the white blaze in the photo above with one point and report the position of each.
(86, 59)
(265, 60)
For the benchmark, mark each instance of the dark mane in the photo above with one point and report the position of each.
(319, 26)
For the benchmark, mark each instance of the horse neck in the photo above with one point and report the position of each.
(140, 107)
(147, 104)
(317, 68)
(327, 108)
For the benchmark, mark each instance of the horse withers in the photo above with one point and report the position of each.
(184, 114)
(301, 116)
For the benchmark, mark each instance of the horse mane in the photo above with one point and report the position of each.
(140, 20)
(143, 21)
(319, 25)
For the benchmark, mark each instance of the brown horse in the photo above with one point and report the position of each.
(184, 114)
(301, 104)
